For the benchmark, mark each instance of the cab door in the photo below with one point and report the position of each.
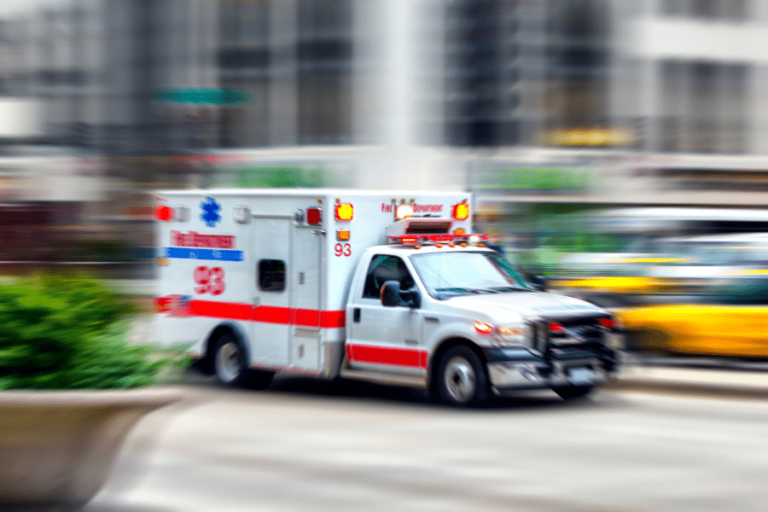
(385, 338)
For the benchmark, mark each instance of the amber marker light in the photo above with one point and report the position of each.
(342, 235)
(482, 327)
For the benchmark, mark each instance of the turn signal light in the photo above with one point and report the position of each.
(344, 211)
(342, 235)
(461, 211)
(483, 328)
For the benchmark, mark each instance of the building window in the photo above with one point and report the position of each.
(703, 107)
(725, 10)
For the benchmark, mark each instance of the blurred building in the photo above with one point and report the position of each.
(537, 105)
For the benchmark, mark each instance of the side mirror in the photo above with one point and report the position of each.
(392, 295)
(539, 282)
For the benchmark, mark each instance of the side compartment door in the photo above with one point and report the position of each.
(271, 314)
(307, 276)
(385, 338)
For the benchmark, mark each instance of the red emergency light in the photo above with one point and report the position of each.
(314, 216)
(164, 213)
(436, 239)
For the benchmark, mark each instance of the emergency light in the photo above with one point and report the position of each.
(314, 216)
(429, 230)
(403, 211)
(460, 211)
(181, 213)
(344, 211)
(164, 213)
(241, 214)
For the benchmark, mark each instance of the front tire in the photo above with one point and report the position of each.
(462, 379)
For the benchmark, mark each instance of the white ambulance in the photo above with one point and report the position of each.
(381, 286)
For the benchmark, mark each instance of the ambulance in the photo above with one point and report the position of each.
(379, 286)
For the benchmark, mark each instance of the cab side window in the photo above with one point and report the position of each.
(383, 269)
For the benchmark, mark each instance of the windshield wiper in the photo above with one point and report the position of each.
(501, 289)
(458, 290)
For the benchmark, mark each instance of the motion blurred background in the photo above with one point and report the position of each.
(572, 121)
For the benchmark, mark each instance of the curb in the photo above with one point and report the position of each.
(701, 382)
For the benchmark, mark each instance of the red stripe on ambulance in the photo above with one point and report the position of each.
(264, 314)
(387, 355)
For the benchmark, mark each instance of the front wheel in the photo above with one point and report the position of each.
(462, 378)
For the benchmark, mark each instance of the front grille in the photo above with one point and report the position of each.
(583, 338)
(577, 331)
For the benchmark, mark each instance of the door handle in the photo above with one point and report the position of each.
(356, 315)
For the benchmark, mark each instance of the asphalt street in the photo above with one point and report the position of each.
(305, 445)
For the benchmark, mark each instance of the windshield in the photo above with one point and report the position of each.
(447, 274)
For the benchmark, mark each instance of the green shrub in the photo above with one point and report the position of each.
(70, 332)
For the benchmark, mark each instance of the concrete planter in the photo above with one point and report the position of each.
(57, 447)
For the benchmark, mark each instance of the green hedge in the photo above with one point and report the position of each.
(68, 331)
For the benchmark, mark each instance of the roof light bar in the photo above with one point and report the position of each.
(435, 239)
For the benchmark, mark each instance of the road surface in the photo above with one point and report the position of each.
(307, 446)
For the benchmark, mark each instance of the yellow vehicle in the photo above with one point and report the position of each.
(700, 329)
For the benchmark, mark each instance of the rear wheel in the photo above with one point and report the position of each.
(573, 392)
(462, 378)
(230, 362)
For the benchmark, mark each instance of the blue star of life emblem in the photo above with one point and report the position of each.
(210, 213)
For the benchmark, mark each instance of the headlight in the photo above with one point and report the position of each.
(509, 335)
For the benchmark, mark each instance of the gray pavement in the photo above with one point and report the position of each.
(306, 445)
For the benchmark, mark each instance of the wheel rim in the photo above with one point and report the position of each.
(228, 362)
(460, 379)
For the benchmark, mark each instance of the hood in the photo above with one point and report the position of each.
(517, 306)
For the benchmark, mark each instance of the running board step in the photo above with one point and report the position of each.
(385, 378)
